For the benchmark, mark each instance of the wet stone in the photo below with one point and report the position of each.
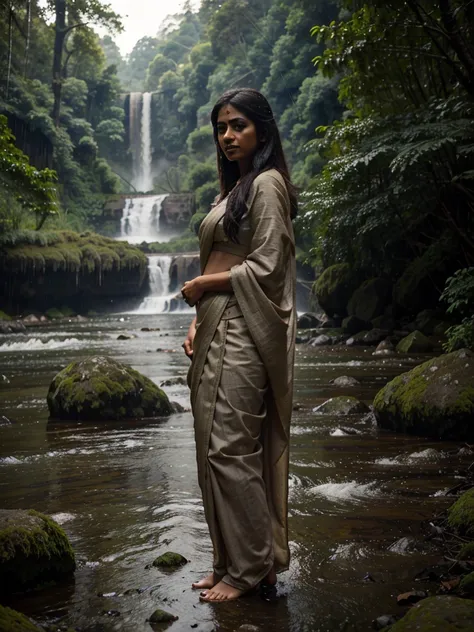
(342, 406)
(382, 622)
(320, 341)
(170, 560)
(438, 614)
(411, 597)
(161, 616)
(345, 380)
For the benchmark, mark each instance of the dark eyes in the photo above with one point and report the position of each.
(238, 127)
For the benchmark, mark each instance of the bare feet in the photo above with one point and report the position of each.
(221, 592)
(207, 582)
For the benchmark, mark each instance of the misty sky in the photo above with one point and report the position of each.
(142, 17)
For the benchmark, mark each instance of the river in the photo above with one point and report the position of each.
(127, 492)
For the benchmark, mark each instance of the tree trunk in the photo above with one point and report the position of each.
(28, 35)
(59, 35)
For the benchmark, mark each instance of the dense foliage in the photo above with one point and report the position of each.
(54, 78)
(265, 44)
(396, 195)
(374, 99)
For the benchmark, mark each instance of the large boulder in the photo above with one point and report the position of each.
(34, 551)
(102, 388)
(434, 399)
(334, 288)
(13, 621)
(370, 299)
(438, 614)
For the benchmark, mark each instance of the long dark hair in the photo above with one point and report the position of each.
(269, 155)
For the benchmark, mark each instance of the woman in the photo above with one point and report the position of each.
(242, 348)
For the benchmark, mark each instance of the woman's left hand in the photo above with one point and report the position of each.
(192, 291)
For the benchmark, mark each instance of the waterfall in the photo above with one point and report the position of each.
(141, 219)
(140, 140)
(160, 299)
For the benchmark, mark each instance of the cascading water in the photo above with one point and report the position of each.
(159, 299)
(141, 213)
(141, 219)
(140, 140)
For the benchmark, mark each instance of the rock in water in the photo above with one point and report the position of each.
(102, 388)
(342, 406)
(161, 616)
(438, 614)
(416, 342)
(170, 560)
(461, 515)
(34, 551)
(345, 380)
(11, 620)
(434, 399)
(308, 320)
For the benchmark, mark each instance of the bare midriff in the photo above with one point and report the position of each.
(221, 262)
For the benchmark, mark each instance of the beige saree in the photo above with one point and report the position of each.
(241, 381)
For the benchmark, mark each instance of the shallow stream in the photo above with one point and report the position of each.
(127, 492)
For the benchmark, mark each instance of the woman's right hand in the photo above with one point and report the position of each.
(189, 340)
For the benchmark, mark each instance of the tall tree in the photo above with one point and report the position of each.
(70, 15)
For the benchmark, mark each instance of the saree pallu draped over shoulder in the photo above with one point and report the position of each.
(241, 382)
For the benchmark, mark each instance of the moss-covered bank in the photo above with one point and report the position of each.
(43, 269)
(34, 551)
(102, 388)
(438, 614)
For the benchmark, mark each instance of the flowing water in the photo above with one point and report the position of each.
(127, 492)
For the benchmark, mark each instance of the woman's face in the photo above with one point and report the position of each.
(237, 135)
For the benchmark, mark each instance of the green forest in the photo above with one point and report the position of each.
(374, 100)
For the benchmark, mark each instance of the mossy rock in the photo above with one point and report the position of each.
(416, 342)
(161, 616)
(438, 614)
(467, 585)
(170, 560)
(434, 399)
(370, 299)
(467, 551)
(34, 551)
(461, 514)
(13, 621)
(100, 388)
(342, 405)
(4, 316)
(334, 288)
(54, 314)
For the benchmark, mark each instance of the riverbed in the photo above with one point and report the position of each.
(127, 492)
